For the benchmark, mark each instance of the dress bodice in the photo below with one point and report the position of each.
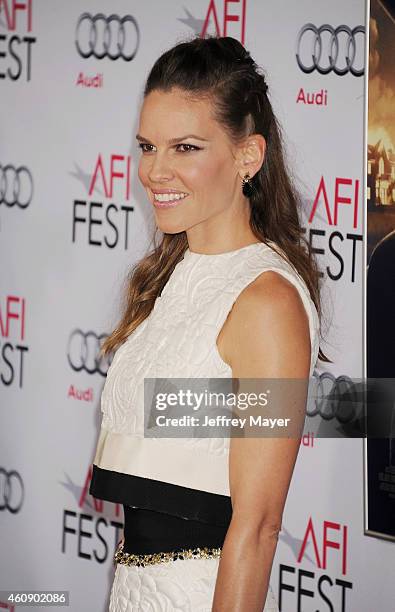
(178, 340)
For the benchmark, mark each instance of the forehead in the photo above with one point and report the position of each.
(173, 111)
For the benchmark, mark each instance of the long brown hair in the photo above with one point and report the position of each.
(220, 69)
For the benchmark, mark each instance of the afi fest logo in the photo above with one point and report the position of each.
(110, 38)
(325, 547)
(337, 202)
(91, 528)
(104, 222)
(223, 18)
(12, 340)
(16, 20)
(328, 50)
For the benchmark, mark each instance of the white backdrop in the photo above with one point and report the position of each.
(67, 243)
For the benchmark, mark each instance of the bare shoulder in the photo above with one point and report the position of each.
(269, 289)
(267, 331)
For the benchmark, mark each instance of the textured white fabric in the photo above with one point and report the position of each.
(178, 340)
(185, 585)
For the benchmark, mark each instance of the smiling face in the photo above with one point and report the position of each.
(187, 153)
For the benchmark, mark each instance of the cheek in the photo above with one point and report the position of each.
(203, 174)
(141, 171)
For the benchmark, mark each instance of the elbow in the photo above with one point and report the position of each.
(260, 531)
(269, 531)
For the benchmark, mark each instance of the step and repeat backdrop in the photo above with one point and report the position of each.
(74, 219)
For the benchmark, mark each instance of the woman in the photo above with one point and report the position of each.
(202, 517)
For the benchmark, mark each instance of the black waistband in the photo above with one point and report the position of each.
(159, 496)
(147, 531)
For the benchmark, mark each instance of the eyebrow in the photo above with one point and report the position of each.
(172, 140)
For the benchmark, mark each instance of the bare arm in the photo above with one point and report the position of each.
(267, 336)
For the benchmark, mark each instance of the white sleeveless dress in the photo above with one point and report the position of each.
(177, 340)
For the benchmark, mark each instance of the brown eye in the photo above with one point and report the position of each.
(144, 144)
(191, 147)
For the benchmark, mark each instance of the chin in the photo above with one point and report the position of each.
(168, 227)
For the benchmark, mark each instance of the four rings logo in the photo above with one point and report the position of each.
(113, 37)
(336, 52)
(12, 491)
(16, 186)
(340, 400)
(83, 352)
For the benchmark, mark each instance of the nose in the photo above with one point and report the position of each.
(160, 169)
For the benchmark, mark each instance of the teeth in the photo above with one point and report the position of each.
(169, 197)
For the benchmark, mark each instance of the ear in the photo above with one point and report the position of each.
(251, 154)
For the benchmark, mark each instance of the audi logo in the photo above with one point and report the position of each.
(12, 491)
(336, 398)
(16, 186)
(337, 54)
(83, 353)
(113, 37)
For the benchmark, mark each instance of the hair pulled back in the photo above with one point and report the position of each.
(222, 70)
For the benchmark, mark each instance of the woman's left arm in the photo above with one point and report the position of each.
(267, 336)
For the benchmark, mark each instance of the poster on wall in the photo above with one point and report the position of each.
(380, 297)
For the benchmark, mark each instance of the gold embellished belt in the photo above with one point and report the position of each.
(164, 557)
